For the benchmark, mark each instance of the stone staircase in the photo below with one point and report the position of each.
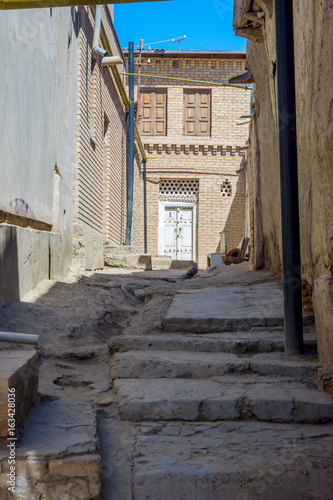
(227, 411)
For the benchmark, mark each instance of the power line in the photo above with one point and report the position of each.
(187, 80)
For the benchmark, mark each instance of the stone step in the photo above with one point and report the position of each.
(232, 461)
(58, 455)
(227, 308)
(235, 342)
(110, 249)
(167, 263)
(19, 372)
(180, 364)
(231, 397)
(129, 261)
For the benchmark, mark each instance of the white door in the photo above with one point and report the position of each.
(178, 233)
(170, 232)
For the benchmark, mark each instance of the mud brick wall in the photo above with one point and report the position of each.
(314, 105)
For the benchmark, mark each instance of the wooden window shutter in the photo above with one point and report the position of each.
(190, 114)
(203, 101)
(153, 112)
(197, 105)
(160, 113)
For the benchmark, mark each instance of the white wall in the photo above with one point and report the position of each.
(37, 127)
(37, 93)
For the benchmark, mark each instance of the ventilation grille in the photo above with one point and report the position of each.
(179, 190)
(226, 188)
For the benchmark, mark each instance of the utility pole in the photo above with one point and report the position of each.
(286, 105)
(138, 111)
(130, 145)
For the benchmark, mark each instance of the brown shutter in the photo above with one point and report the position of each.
(160, 113)
(203, 100)
(147, 114)
(153, 113)
(190, 113)
(197, 113)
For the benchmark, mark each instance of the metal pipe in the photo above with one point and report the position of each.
(97, 33)
(19, 338)
(130, 145)
(97, 28)
(145, 202)
(111, 61)
(286, 106)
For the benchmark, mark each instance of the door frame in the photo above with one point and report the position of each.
(176, 204)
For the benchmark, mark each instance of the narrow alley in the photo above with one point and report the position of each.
(164, 389)
(166, 250)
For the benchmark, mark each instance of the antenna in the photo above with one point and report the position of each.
(179, 40)
(161, 41)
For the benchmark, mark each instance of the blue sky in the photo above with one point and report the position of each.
(206, 24)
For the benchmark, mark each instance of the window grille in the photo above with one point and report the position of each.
(179, 190)
(226, 189)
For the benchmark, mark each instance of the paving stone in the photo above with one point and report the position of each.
(58, 456)
(172, 364)
(228, 307)
(56, 428)
(239, 461)
(260, 340)
(228, 397)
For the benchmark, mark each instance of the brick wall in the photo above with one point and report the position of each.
(213, 68)
(100, 150)
(209, 160)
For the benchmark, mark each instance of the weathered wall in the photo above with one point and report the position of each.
(37, 102)
(314, 75)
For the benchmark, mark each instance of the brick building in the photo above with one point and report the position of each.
(100, 151)
(63, 154)
(195, 183)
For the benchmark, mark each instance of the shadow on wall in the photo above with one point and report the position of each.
(9, 276)
(235, 224)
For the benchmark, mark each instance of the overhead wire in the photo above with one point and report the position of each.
(188, 80)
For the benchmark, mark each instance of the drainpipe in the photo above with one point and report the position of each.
(130, 145)
(286, 106)
(139, 83)
(145, 201)
(19, 338)
(97, 33)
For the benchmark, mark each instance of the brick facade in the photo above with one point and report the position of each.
(100, 166)
(211, 160)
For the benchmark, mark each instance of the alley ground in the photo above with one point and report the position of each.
(180, 388)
